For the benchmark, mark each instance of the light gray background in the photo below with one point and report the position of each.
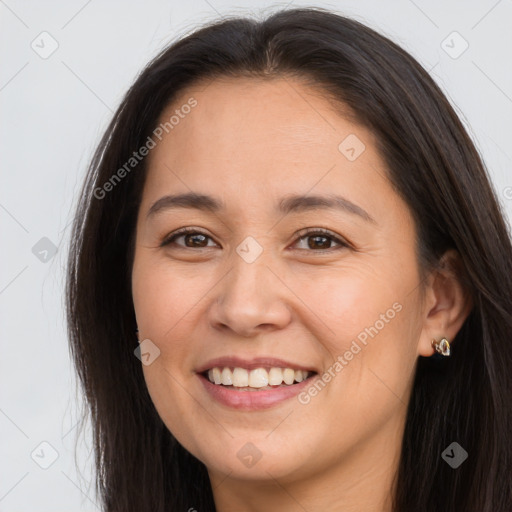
(53, 112)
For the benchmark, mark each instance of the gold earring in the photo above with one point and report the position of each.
(442, 347)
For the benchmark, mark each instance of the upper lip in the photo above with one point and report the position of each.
(251, 364)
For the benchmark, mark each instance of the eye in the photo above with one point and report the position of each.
(192, 236)
(320, 239)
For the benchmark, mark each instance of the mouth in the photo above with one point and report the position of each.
(257, 379)
(257, 383)
(254, 390)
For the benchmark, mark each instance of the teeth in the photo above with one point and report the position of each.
(275, 377)
(226, 377)
(288, 376)
(240, 378)
(216, 376)
(257, 378)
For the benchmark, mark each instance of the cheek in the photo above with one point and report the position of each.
(165, 294)
(164, 306)
(370, 325)
(347, 300)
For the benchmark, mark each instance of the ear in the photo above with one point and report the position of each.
(447, 303)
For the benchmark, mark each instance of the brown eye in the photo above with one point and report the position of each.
(196, 240)
(320, 240)
(192, 239)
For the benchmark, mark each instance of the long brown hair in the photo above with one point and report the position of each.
(435, 168)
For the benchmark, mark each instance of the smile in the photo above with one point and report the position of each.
(256, 379)
(263, 395)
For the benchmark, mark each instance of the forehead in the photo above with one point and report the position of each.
(252, 127)
(251, 114)
(250, 142)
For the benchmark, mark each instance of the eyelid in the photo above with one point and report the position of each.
(341, 241)
(183, 231)
(303, 233)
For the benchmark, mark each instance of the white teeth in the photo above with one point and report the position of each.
(226, 377)
(240, 377)
(256, 378)
(275, 376)
(216, 376)
(288, 376)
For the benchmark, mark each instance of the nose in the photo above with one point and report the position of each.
(252, 298)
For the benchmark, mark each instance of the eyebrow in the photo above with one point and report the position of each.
(288, 204)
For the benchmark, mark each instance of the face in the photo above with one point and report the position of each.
(332, 288)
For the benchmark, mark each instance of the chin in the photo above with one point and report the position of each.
(244, 461)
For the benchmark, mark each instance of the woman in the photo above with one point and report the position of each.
(290, 228)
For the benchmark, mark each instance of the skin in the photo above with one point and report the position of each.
(248, 142)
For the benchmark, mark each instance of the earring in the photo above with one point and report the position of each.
(442, 347)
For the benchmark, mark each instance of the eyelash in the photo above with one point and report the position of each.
(302, 234)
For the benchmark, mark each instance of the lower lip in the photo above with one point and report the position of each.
(252, 400)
